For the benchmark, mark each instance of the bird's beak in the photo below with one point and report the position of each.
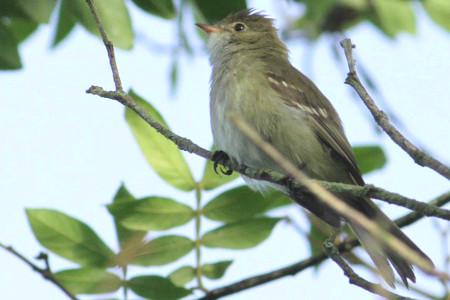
(208, 28)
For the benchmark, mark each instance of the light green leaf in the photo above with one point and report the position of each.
(369, 158)
(161, 154)
(216, 270)
(439, 11)
(127, 237)
(182, 276)
(394, 16)
(240, 235)
(212, 180)
(161, 8)
(214, 11)
(69, 238)
(151, 213)
(163, 250)
(9, 54)
(156, 288)
(113, 15)
(88, 281)
(66, 23)
(38, 10)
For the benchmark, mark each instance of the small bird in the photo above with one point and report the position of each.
(252, 79)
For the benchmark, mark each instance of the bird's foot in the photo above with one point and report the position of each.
(222, 158)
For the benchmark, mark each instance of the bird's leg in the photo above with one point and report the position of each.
(222, 158)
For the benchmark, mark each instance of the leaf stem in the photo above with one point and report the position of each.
(198, 269)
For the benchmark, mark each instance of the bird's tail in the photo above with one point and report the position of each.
(383, 255)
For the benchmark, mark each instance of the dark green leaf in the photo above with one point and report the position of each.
(9, 54)
(88, 281)
(161, 154)
(216, 10)
(114, 17)
(216, 270)
(38, 10)
(276, 200)
(240, 235)
(69, 237)
(161, 8)
(439, 11)
(182, 276)
(369, 158)
(163, 250)
(211, 179)
(394, 16)
(12, 8)
(151, 213)
(66, 22)
(156, 288)
(22, 28)
(127, 237)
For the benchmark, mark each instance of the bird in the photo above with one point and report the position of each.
(252, 79)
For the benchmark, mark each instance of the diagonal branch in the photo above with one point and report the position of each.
(420, 157)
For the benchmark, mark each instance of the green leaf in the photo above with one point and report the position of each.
(161, 8)
(156, 288)
(319, 231)
(88, 281)
(9, 54)
(214, 11)
(113, 15)
(394, 16)
(151, 213)
(163, 250)
(216, 270)
(69, 237)
(127, 237)
(211, 179)
(66, 23)
(236, 204)
(182, 276)
(240, 235)
(277, 199)
(38, 10)
(439, 11)
(369, 158)
(21, 28)
(161, 154)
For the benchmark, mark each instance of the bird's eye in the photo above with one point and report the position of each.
(239, 27)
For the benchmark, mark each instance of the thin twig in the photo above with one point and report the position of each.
(419, 156)
(298, 267)
(45, 272)
(354, 278)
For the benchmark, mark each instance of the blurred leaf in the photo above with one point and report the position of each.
(161, 8)
(216, 270)
(66, 22)
(240, 235)
(38, 10)
(9, 54)
(156, 288)
(127, 237)
(236, 204)
(114, 16)
(69, 237)
(88, 281)
(214, 11)
(439, 11)
(369, 158)
(277, 199)
(182, 276)
(151, 213)
(394, 16)
(12, 8)
(163, 155)
(21, 28)
(211, 179)
(319, 231)
(174, 74)
(163, 250)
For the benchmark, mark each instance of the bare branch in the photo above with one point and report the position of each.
(45, 272)
(419, 156)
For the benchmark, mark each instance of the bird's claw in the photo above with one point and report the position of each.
(220, 157)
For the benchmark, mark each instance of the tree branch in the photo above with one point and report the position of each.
(420, 157)
(45, 272)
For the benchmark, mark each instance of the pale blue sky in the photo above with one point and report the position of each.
(69, 151)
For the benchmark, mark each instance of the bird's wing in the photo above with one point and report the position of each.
(301, 93)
